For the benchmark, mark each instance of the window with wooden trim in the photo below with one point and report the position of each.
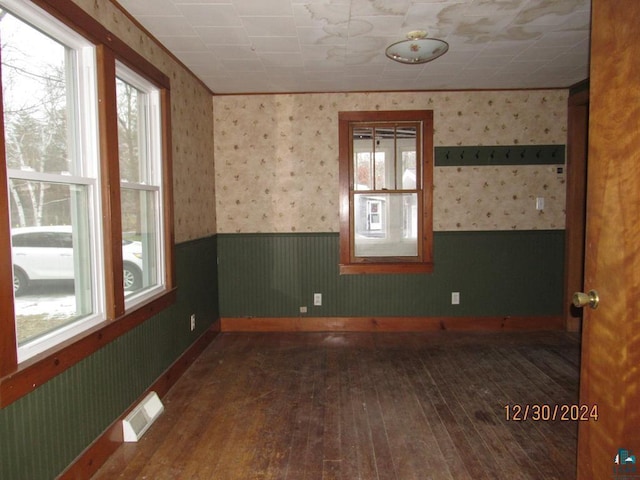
(85, 196)
(140, 155)
(386, 178)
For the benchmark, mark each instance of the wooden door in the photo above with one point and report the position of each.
(610, 370)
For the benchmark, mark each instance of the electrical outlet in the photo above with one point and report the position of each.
(317, 299)
(193, 322)
(455, 298)
(539, 203)
(303, 309)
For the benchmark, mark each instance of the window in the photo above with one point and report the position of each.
(386, 176)
(139, 151)
(48, 92)
(87, 186)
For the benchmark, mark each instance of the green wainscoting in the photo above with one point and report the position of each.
(500, 273)
(45, 431)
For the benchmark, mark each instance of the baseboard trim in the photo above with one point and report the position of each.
(96, 454)
(390, 324)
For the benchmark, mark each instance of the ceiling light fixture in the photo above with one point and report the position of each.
(417, 48)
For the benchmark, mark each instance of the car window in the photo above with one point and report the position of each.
(36, 239)
(64, 240)
(43, 240)
(18, 240)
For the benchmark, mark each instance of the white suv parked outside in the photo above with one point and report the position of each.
(46, 253)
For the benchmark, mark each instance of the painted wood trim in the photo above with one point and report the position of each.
(94, 456)
(390, 324)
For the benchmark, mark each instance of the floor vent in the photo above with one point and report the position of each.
(141, 417)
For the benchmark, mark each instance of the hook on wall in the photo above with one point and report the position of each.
(500, 155)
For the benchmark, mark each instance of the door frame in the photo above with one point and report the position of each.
(576, 199)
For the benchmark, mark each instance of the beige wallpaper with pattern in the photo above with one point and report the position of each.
(277, 158)
(192, 127)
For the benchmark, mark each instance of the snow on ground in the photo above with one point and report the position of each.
(44, 308)
(55, 305)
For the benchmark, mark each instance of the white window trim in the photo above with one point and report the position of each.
(87, 148)
(154, 152)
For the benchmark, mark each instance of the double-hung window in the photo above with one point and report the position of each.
(51, 151)
(85, 199)
(140, 153)
(386, 173)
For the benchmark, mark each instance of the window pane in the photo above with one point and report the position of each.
(384, 166)
(37, 85)
(132, 135)
(363, 154)
(140, 239)
(386, 225)
(139, 140)
(51, 256)
(406, 157)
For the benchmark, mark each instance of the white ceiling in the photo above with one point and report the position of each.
(246, 46)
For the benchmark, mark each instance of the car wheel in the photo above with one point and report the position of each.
(20, 281)
(132, 277)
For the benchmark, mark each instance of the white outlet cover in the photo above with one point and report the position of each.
(455, 298)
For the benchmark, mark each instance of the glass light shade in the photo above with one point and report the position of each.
(417, 48)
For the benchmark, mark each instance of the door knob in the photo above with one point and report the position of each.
(581, 299)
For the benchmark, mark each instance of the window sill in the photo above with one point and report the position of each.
(39, 369)
(384, 268)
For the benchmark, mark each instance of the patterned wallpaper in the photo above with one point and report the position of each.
(192, 127)
(277, 158)
(497, 198)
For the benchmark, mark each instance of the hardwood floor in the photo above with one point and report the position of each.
(364, 406)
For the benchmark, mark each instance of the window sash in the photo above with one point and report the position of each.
(377, 163)
(354, 258)
(144, 190)
(80, 106)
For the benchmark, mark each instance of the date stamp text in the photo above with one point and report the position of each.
(547, 412)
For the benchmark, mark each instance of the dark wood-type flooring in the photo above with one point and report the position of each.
(363, 406)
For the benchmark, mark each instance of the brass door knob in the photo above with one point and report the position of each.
(581, 299)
